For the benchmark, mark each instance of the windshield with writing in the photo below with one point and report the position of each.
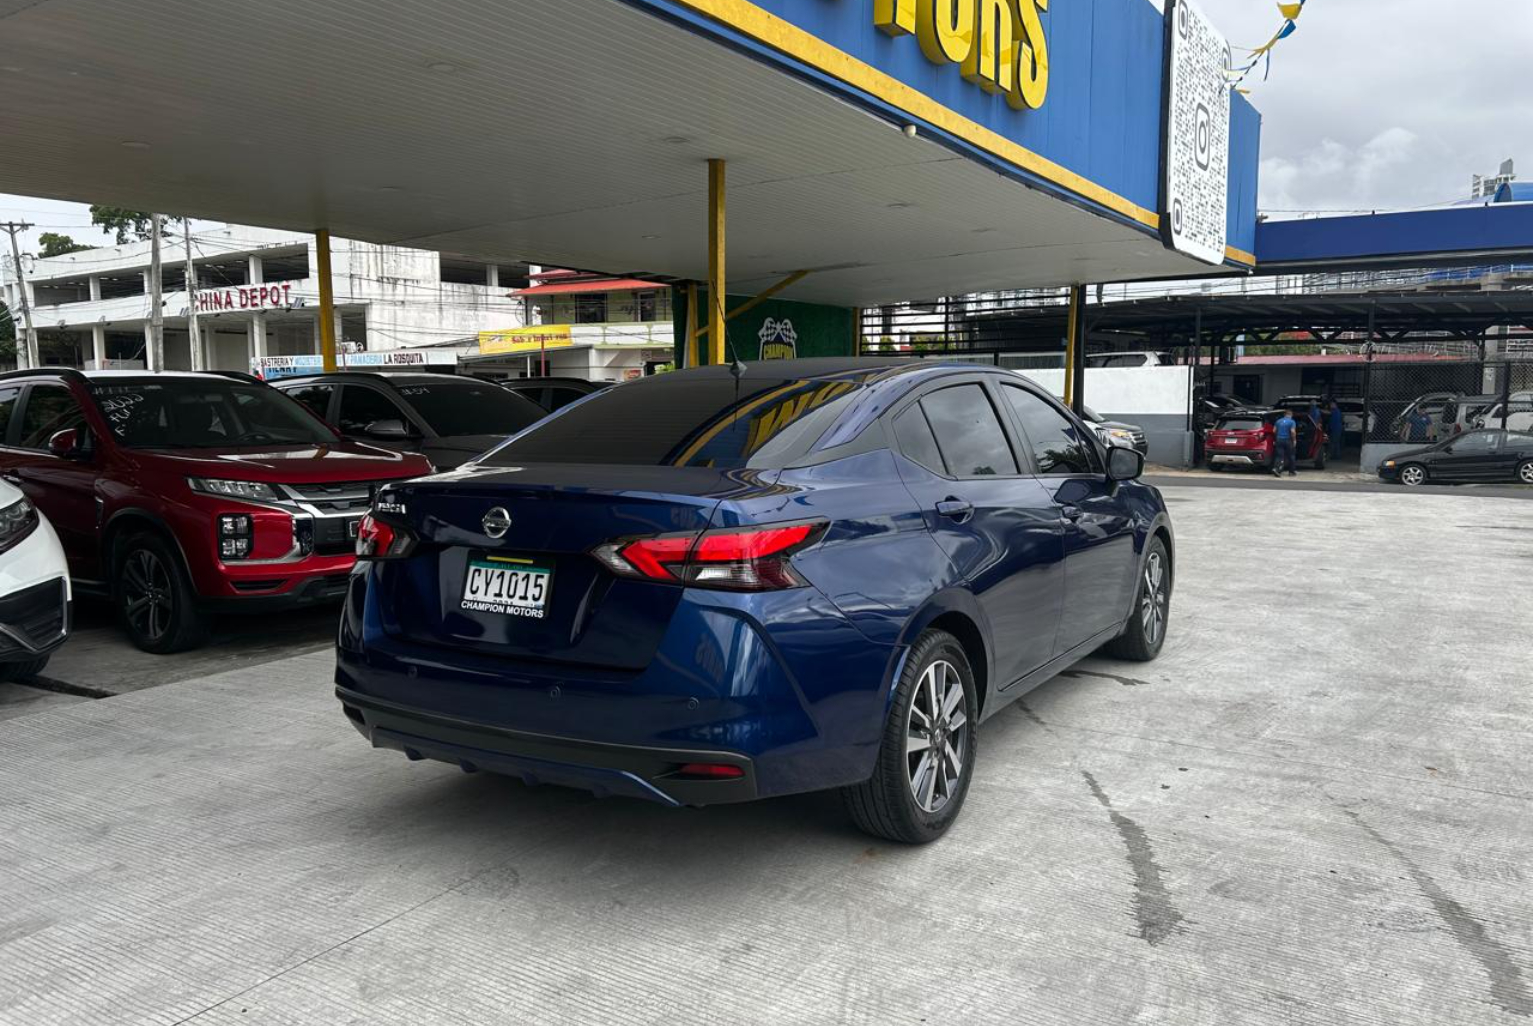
(199, 413)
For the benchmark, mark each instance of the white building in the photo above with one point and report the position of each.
(257, 296)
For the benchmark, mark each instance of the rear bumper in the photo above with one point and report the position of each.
(604, 769)
(1241, 459)
(736, 680)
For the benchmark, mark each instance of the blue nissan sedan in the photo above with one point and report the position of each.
(731, 583)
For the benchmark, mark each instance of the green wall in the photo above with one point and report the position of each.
(807, 329)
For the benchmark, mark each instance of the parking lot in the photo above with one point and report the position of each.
(1314, 808)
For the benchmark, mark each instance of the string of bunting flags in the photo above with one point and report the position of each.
(1263, 53)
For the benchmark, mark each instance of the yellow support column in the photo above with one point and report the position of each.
(1076, 296)
(716, 270)
(326, 300)
(693, 332)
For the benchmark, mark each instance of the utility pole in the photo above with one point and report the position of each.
(26, 354)
(194, 336)
(156, 354)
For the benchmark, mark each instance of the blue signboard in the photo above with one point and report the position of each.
(1066, 95)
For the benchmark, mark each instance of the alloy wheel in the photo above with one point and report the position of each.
(1525, 473)
(148, 600)
(1152, 604)
(1413, 476)
(936, 736)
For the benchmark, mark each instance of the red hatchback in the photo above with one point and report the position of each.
(1248, 438)
(180, 495)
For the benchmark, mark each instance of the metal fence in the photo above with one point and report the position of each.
(1429, 400)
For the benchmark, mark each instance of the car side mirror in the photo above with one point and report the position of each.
(389, 430)
(68, 444)
(1124, 464)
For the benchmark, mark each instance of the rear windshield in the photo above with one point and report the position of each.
(471, 408)
(687, 421)
(1241, 423)
(204, 413)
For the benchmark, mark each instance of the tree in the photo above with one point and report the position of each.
(52, 245)
(7, 334)
(123, 223)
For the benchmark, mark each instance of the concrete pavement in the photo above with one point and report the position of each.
(1313, 809)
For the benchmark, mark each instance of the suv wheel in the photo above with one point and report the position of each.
(22, 670)
(928, 751)
(1145, 632)
(155, 599)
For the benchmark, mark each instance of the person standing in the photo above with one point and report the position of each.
(1287, 429)
(1338, 429)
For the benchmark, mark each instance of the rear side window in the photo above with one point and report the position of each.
(969, 433)
(559, 397)
(361, 406)
(315, 397)
(685, 421)
(1059, 446)
(914, 436)
(471, 408)
(8, 397)
(50, 409)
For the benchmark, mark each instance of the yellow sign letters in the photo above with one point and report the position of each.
(999, 45)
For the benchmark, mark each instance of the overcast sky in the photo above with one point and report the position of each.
(1387, 103)
(1372, 104)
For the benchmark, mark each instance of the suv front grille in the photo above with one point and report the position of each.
(337, 499)
(34, 617)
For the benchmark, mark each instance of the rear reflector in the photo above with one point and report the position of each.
(711, 771)
(735, 559)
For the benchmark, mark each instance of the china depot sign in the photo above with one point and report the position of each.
(246, 297)
(999, 45)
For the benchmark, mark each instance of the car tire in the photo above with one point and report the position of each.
(1525, 472)
(1145, 633)
(1217, 468)
(25, 670)
(155, 601)
(1320, 458)
(1413, 475)
(908, 799)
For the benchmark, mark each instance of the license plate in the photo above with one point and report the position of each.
(506, 586)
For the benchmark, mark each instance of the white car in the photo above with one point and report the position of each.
(34, 588)
(1519, 415)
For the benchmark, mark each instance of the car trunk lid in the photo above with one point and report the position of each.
(543, 519)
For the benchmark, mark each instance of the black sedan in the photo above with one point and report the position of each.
(1473, 456)
(447, 419)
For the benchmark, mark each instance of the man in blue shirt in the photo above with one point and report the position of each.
(1287, 434)
(1337, 430)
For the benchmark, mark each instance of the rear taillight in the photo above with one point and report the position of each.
(730, 558)
(379, 539)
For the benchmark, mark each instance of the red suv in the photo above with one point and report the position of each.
(1248, 438)
(179, 495)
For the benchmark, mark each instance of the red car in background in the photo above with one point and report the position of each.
(179, 495)
(1248, 438)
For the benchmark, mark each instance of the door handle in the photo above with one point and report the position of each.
(1071, 513)
(955, 509)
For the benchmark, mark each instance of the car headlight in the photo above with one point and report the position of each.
(233, 489)
(17, 520)
(1389, 463)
